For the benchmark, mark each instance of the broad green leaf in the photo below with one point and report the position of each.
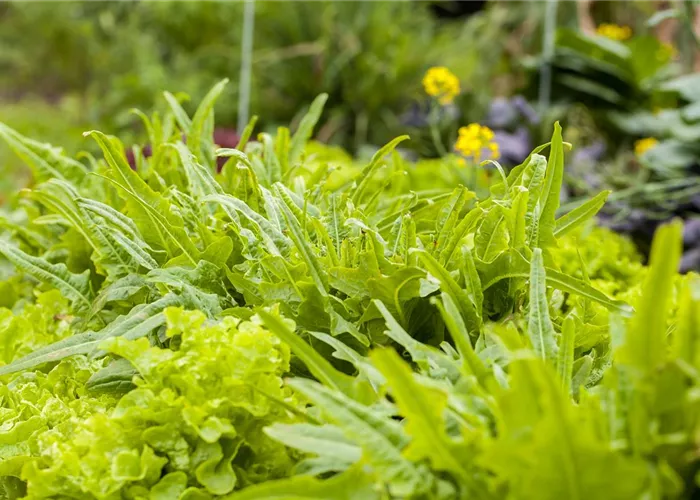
(110, 255)
(448, 217)
(115, 378)
(200, 179)
(471, 362)
(520, 269)
(472, 281)
(45, 161)
(344, 352)
(492, 236)
(519, 220)
(275, 242)
(137, 324)
(429, 359)
(462, 229)
(533, 178)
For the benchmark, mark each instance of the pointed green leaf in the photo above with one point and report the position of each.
(305, 129)
(75, 287)
(579, 215)
(540, 328)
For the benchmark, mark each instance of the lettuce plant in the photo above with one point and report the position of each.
(435, 344)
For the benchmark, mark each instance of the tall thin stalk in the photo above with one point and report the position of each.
(550, 24)
(691, 41)
(244, 82)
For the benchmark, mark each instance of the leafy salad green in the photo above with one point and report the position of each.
(298, 326)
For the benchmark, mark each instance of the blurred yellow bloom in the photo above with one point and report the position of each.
(441, 83)
(643, 145)
(614, 32)
(476, 142)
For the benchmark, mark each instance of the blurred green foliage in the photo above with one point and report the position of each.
(368, 56)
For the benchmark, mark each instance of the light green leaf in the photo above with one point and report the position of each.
(75, 287)
(324, 440)
(151, 212)
(565, 356)
(550, 196)
(354, 484)
(381, 439)
(317, 272)
(305, 129)
(540, 329)
(579, 215)
(368, 172)
(180, 114)
(645, 343)
(317, 364)
(423, 409)
(199, 137)
(449, 285)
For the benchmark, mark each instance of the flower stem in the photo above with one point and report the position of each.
(433, 119)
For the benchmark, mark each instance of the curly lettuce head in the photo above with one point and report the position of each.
(192, 427)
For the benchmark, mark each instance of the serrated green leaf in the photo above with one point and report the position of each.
(381, 439)
(552, 188)
(75, 287)
(540, 329)
(149, 209)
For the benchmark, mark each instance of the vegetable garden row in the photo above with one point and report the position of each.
(301, 325)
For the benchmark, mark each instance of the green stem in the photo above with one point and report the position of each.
(246, 64)
(435, 132)
(550, 24)
(687, 17)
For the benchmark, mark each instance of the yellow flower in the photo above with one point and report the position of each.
(614, 32)
(476, 142)
(643, 145)
(441, 83)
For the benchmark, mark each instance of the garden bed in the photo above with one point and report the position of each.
(296, 326)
